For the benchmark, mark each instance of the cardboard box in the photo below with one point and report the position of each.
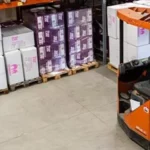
(59, 64)
(30, 63)
(1, 48)
(113, 20)
(137, 36)
(3, 79)
(140, 52)
(114, 53)
(17, 37)
(14, 67)
(74, 32)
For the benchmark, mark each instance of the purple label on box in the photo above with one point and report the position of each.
(60, 17)
(42, 53)
(90, 42)
(49, 67)
(71, 18)
(72, 60)
(40, 22)
(48, 52)
(59, 64)
(58, 50)
(84, 44)
(72, 49)
(77, 46)
(40, 38)
(89, 29)
(57, 35)
(74, 32)
(89, 15)
(47, 37)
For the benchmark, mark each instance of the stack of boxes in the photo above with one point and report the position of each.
(80, 37)
(50, 39)
(114, 32)
(136, 40)
(17, 40)
(3, 79)
(137, 44)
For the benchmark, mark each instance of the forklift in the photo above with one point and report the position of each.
(134, 84)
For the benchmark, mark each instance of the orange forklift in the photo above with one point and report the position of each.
(134, 84)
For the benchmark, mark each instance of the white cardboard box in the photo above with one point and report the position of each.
(1, 48)
(30, 63)
(17, 37)
(113, 20)
(140, 52)
(125, 53)
(3, 79)
(137, 36)
(14, 67)
(114, 52)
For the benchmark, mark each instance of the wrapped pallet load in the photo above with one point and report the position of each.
(50, 39)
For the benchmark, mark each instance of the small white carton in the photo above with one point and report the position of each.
(3, 79)
(139, 52)
(17, 37)
(14, 67)
(137, 36)
(30, 63)
(1, 48)
(114, 52)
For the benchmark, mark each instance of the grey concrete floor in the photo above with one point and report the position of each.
(73, 113)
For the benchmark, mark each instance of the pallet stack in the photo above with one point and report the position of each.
(80, 37)
(136, 40)
(20, 55)
(3, 79)
(49, 31)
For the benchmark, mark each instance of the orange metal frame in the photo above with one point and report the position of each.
(139, 17)
(17, 3)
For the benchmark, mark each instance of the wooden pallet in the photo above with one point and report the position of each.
(4, 91)
(57, 75)
(17, 85)
(112, 68)
(37, 80)
(85, 67)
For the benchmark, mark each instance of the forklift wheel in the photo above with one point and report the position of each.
(122, 69)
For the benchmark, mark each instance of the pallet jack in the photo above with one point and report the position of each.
(134, 84)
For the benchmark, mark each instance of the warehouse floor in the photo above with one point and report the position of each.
(73, 113)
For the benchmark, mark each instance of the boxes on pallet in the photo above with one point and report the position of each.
(134, 52)
(137, 36)
(114, 52)
(3, 80)
(16, 37)
(30, 63)
(50, 39)
(14, 67)
(80, 37)
(113, 20)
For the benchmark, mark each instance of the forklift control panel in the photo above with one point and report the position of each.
(133, 64)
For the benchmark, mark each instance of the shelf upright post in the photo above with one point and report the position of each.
(121, 42)
(104, 24)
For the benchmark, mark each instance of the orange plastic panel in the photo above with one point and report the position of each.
(17, 3)
(139, 120)
(139, 17)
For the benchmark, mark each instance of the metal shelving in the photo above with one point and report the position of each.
(17, 3)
